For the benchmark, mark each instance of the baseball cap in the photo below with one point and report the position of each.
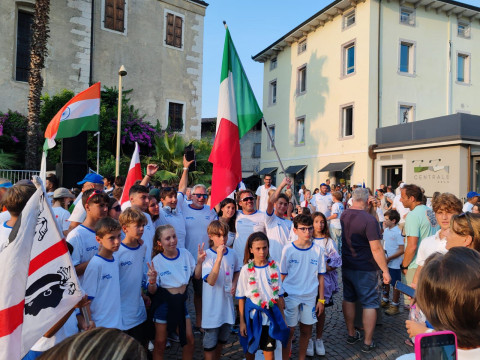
(5, 183)
(62, 193)
(323, 184)
(155, 193)
(472, 194)
(93, 178)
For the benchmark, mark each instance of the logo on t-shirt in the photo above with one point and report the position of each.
(189, 218)
(107, 277)
(165, 273)
(125, 263)
(314, 261)
(293, 261)
(185, 268)
(92, 248)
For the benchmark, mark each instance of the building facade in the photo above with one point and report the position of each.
(160, 43)
(358, 66)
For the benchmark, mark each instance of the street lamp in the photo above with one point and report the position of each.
(121, 73)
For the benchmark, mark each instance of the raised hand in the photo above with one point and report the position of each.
(220, 251)
(186, 163)
(202, 254)
(152, 169)
(151, 273)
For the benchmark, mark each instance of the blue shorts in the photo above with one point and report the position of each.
(361, 286)
(396, 275)
(160, 314)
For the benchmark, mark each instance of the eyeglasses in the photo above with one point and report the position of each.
(248, 198)
(199, 196)
(305, 229)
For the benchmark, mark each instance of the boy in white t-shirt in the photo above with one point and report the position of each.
(302, 268)
(334, 218)
(220, 271)
(394, 245)
(172, 214)
(101, 281)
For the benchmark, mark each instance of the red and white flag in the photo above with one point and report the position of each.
(134, 174)
(38, 283)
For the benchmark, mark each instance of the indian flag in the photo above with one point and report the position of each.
(81, 113)
(238, 112)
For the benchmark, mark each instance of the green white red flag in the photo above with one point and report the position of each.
(238, 112)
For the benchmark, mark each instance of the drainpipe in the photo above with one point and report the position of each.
(469, 167)
(90, 79)
(379, 61)
(449, 67)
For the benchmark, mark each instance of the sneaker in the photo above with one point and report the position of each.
(310, 348)
(392, 310)
(384, 304)
(355, 338)
(173, 337)
(319, 347)
(367, 348)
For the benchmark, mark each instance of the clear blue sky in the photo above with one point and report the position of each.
(253, 24)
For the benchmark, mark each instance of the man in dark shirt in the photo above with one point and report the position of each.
(362, 257)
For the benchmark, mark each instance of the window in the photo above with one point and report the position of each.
(463, 29)
(114, 15)
(348, 19)
(407, 57)
(273, 93)
(300, 131)
(405, 113)
(24, 36)
(175, 117)
(346, 121)
(273, 63)
(301, 79)
(257, 150)
(271, 129)
(407, 16)
(174, 30)
(463, 68)
(348, 59)
(302, 46)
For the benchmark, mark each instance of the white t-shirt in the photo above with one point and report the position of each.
(131, 261)
(78, 214)
(337, 208)
(177, 221)
(263, 193)
(302, 267)
(430, 245)
(245, 226)
(174, 272)
(327, 244)
(217, 305)
(278, 232)
(4, 216)
(398, 205)
(147, 237)
(231, 238)
(323, 203)
(467, 207)
(5, 231)
(61, 215)
(102, 283)
(392, 239)
(85, 246)
(381, 217)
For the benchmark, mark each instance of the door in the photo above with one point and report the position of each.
(391, 175)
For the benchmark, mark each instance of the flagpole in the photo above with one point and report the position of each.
(295, 202)
(121, 73)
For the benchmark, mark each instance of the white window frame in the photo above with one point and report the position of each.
(299, 79)
(125, 19)
(344, 57)
(411, 57)
(412, 111)
(297, 120)
(348, 15)
(302, 46)
(273, 63)
(466, 70)
(271, 99)
(467, 32)
(184, 112)
(342, 127)
(270, 143)
(164, 39)
(412, 16)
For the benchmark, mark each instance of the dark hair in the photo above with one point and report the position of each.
(326, 230)
(241, 192)
(256, 236)
(448, 292)
(106, 226)
(284, 197)
(110, 179)
(232, 220)
(96, 198)
(16, 197)
(393, 215)
(120, 181)
(117, 193)
(167, 191)
(447, 202)
(415, 191)
(302, 220)
(306, 211)
(137, 189)
(111, 201)
(53, 179)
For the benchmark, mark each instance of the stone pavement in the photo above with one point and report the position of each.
(389, 337)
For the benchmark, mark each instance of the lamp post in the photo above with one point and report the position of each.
(97, 134)
(121, 73)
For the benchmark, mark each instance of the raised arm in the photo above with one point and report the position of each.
(151, 170)
(182, 186)
(271, 200)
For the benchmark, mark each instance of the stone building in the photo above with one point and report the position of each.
(160, 43)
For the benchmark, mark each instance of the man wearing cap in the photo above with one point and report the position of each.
(472, 199)
(90, 181)
(5, 184)
(61, 200)
(323, 200)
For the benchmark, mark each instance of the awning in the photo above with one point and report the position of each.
(340, 166)
(295, 169)
(267, 171)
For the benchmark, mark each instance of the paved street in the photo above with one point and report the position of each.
(389, 337)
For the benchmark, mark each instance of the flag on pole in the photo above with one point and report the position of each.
(238, 112)
(81, 113)
(134, 174)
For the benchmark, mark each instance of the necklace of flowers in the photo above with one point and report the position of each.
(252, 281)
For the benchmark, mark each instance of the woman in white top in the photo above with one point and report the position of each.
(61, 201)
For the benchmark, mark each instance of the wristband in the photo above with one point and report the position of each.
(403, 267)
(321, 301)
(185, 169)
(148, 175)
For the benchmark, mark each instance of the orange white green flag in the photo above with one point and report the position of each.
(81, 113)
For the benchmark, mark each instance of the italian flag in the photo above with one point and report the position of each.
(81, 113)
(238, 112)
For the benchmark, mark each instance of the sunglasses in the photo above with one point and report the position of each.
(248, 198)
(117, 208)
(199, 196)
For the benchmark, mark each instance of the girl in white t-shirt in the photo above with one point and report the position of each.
(260, 294)
(168, 277)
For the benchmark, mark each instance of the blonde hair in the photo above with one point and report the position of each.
(132, 216)
(216, 228)
(157, 246)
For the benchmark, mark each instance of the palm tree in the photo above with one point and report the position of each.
(38, 53)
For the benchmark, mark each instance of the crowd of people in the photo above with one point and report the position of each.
(260, 264)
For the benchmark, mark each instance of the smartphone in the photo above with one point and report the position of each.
(439, 345)
(189, 152)
(405, 289)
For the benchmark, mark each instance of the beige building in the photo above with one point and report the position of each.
(160, 43)
(358, 69)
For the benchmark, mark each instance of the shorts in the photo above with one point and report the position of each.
(138, 332)
(160, 314)
(267, 343)
(215, 336)
(362, 286)
(197, 286)
(296, 311)
(396, 275)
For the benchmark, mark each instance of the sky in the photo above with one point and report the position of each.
(254, 25)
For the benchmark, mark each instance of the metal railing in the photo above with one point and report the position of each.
(17, 175)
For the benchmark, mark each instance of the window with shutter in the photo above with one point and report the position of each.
(24, 36)
(175, 114)
(173, 32)
(115, 15)
(170, 29)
